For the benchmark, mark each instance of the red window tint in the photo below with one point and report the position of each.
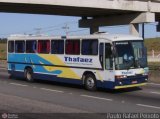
(76, 47)
(69, 47)
(73, 47)
(44, 46)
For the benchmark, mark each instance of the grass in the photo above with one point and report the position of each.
(153, 44)
(154, 65)
(3, 51)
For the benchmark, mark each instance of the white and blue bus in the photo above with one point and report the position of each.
(98, 60)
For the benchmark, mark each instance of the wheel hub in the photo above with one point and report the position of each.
(90, 82)
(29, 76)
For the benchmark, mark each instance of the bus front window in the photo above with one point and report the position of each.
(130, 54)
(140, 54)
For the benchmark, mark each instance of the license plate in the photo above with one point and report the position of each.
(133, 82)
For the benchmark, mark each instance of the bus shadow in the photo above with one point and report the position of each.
(102, 90)
(119, 91)
(75, 86)
(60, 84)
(10, 77)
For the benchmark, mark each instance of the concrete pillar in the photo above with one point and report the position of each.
(94, 29)
(134, 29)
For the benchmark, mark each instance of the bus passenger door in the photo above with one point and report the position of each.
(109, 72)
(101, 54)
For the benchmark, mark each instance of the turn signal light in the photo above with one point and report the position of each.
(120, 76)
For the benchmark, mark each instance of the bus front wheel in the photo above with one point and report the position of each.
(28, 74)
(90, 82)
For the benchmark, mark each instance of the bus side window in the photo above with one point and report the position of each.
(108, 57)
(90, 47)
(101, 53)
(11, 46)
(44, 46)
(19, 46)
(72, 47)
(31, 46)
(57, 46)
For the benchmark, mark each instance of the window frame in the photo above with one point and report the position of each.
(110, 58)
(49, 51)
(13, 46)
(51, 45)
(36, 50)
(101, 54)
(23, 48)
(79, 40)
(97, 52)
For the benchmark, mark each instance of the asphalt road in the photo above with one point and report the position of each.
(19, 96)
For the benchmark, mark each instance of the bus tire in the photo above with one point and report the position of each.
(90, 82)
(28, 74)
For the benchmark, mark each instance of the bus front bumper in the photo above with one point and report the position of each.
(131, 82)
(130, 86)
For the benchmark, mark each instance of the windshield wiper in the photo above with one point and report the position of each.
(130, 64)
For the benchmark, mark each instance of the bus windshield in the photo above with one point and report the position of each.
(130, 55)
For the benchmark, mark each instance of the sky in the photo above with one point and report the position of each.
(15, 23)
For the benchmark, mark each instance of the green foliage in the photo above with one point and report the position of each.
(3, 52)
(3, 41)
(152, 44)
(154, 65)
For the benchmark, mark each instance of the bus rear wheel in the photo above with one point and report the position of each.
(90, 82)
(28, 74)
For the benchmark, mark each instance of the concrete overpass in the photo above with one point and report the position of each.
(94, 13)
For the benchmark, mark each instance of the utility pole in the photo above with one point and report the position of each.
(66, 28)
(38, 31)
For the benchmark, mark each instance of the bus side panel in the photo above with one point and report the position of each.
(57, 79)
(41, 67)
(44, 68)
(16, 64)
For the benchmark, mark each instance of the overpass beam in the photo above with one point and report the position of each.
(112, 20)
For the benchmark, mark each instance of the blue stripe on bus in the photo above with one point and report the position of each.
(26, 59)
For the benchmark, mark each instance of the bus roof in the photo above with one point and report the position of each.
(104, 36)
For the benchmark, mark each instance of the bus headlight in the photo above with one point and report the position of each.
(145, 74)
(120, 83)
(146, 79)
(120, 76)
